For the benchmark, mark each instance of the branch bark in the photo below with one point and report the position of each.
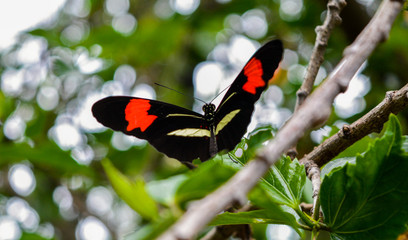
(323, 32)
(315, 110)
(373, 121)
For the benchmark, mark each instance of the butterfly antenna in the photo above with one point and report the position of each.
(158, 84)
(221, 92)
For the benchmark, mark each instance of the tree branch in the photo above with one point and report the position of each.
(315, 110)
(323, 32)
(373, 121)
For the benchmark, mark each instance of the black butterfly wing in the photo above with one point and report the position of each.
(175, 131)
(233, 115)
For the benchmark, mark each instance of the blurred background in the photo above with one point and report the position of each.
(57, 57)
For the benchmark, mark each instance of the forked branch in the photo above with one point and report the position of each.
(373, 121)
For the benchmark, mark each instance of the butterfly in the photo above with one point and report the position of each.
(187, 135)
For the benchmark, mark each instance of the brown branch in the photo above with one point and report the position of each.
(373, 121)
(315, 110)
(323, 32)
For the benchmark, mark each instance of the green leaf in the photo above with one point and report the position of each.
(274, 214)
(203, 180)
(336, 164)
(257, 216)
(132, 192)
(284, 183)
(246, 149)
(356, 147)
(164, 191)
(153, 230)
(46, 155)
(261, 196)
(368, 200)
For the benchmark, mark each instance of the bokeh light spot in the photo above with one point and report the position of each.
(62, 197)
(296, 73)
(92, 228)
(12, 81)
(123, 142)
(162, 9)
(206, 77)
(21, 179)
(318, 135)
(254, 23)
(184, 7)
(32, 50)
(47, 98)
(14, 128)
(89, 65)
(66, 135)
(83, 154)
(280, 232)
(23, 213)
(74, 33)
(124, 24)
(117, 7)
(126, 75)
(99, 201)
(241, 49)
(84, 115)
(9, 229)
(144, 91)
(290, 10)
(352, 102)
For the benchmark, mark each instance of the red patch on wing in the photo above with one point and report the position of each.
(253, 71)
(137, 116)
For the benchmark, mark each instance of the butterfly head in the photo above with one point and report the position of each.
(209, 111)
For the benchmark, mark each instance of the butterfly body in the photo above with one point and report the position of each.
(184, 134)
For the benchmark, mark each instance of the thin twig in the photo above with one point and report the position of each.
(323, 33)
(315, 110)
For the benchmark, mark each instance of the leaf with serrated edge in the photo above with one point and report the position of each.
(368, 200)
(249, 145)
(257, 217)
(284, 183)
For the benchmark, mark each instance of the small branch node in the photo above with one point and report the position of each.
(345, 131)
(301, 96)
(389, 95)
